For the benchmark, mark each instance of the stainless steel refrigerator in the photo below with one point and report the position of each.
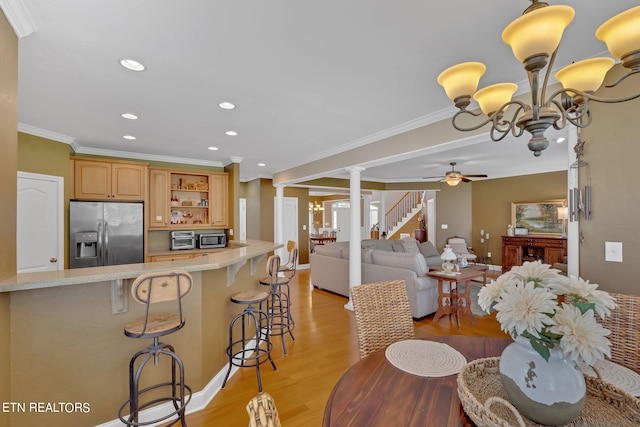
(105, 233)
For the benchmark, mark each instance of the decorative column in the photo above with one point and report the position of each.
(279, 226)
(355, 255)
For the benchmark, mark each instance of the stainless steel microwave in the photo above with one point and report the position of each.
(211, 240)
(182, 240)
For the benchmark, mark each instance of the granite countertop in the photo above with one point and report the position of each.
(234, 253)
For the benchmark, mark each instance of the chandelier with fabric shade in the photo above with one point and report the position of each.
(534, 38)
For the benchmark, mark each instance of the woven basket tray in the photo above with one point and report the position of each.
(485, 401)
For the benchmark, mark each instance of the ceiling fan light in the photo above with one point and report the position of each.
(621, 33)
(453, 180)
(586, 75)
(538, 32)
(462, 79)
(493, 97)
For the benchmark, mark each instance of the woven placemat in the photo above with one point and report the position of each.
(425, 358)
(615, 374)
(486, 403)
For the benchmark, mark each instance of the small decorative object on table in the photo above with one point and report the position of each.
(552, 320)
(448, 257)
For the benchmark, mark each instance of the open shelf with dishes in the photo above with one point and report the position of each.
(187, 199)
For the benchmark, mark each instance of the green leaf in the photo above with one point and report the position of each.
(585, 306)
(542, 349)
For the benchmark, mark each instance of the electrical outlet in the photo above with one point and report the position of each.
(489, 254)
(304, 226)
(231, 232)
(444, 226)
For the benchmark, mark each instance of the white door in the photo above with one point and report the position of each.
(343, 225)
(290, 223)
(40, 223)
(243, 219)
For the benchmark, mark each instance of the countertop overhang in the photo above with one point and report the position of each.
(236, 252)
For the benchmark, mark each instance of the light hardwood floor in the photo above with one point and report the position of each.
(325, 347)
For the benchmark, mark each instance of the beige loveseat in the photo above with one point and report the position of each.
(382, 260)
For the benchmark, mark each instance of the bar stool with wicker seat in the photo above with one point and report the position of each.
(278, 303)
(253, 347)
(148, 289)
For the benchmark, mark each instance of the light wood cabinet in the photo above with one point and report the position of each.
(516, 250)
(219, 199)
(105, 180)
(187, 199)
(158, 208)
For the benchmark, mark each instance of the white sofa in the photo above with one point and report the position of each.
(380, 262)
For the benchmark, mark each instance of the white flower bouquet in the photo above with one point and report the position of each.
(538, 303)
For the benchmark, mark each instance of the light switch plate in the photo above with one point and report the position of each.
(613, 251)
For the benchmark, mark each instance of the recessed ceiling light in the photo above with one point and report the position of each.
(213, 148)
(262, 164)
(129, 116)
(132, 65)
(561, 139)
(226, 105)
(130, 137)
(231, 132)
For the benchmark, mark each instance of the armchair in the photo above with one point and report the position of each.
(460, 248)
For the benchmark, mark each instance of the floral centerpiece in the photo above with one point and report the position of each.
(538, 303)
(552, 320)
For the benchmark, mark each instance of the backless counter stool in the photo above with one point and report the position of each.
(253, 347)
(278, 304)
(149, 289)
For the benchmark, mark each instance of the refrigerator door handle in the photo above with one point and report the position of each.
(100, 243)
(106, 245)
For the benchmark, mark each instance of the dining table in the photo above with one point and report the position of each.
(374, 392)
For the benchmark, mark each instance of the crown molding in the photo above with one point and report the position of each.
(43, 133)
(146, 156)
(18, 16)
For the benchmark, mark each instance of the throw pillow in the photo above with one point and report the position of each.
(410, 245)
(397, 246)
(428, 250)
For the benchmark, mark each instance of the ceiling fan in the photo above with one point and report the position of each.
(453, 177)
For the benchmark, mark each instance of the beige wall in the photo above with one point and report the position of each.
(492, 204)
(612, 150)
(453, 208)
(8, 192)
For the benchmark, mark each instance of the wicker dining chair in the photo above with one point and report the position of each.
(262, 411)
(625, 334)
(383, 315)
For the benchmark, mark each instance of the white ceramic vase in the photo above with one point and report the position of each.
(550, 393)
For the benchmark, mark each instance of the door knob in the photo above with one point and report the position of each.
(53, 259)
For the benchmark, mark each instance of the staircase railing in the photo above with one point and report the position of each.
(401, 209)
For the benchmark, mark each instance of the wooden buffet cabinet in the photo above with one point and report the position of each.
(518, 249)
(187, 199)
(108, 180)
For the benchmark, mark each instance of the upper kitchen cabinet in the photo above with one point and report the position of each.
(187, 199)
(108, 180)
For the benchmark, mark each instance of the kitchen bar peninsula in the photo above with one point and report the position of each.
(68, 349)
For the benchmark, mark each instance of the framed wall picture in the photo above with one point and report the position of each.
(538, 217)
